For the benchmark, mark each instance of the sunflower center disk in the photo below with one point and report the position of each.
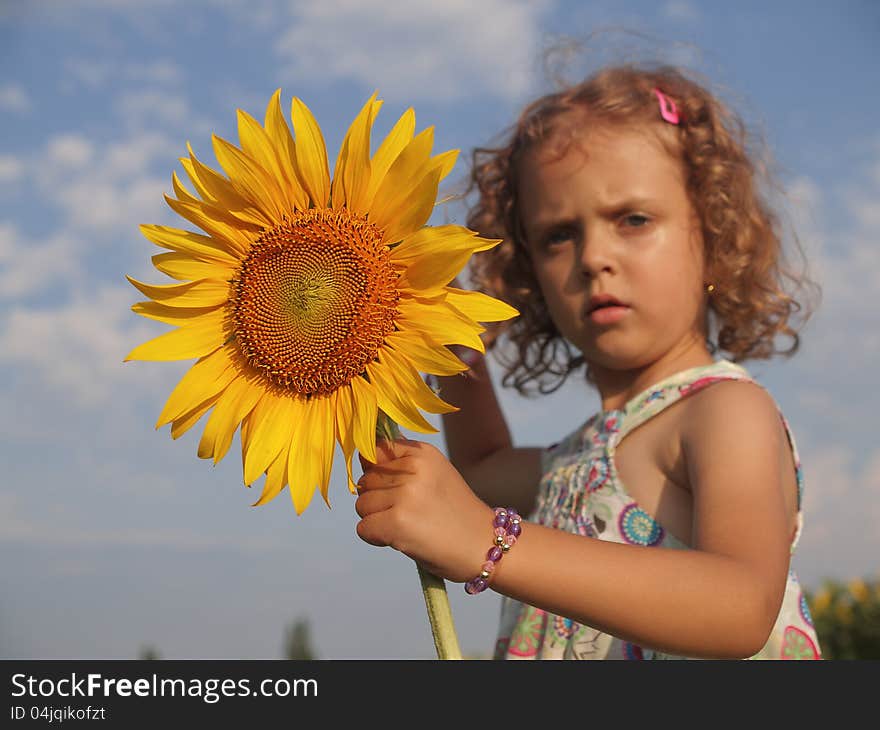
(314, 300)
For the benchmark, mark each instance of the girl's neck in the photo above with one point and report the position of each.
(617, 387)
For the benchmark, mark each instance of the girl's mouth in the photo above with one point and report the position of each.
(608, 314)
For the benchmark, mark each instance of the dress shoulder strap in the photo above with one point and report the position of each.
(661, 395)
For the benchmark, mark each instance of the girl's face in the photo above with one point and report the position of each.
(612, 216)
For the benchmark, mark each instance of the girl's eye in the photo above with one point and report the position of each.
(636, 220)
(559, 235)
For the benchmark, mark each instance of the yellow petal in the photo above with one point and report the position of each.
(203, 191)
(435, 240)
(323, 438)
(220, 192)
(351, 177)
(396, 404)
(398, 138)
(214, 211)
(181, 192)
(250, 179)
(257, 144)
(276, 477)
(311, 154)
(365, 412)
(425, 355)
(411, 384)
(207, 378)
(204, 293)
(201, 337)
(235, 236)
(415, 211)
(405, 172)
(279, 133)
(178, 316)
(344, 417)
(184, 267)
(234, 404)
(443, 325)
(302, 465)
(433, 271)
(445, 161)
(272, 427)
(245, 434)
(478, 306)
(187, 420)
(203, 248)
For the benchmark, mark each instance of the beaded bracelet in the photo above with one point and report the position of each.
(508, 528)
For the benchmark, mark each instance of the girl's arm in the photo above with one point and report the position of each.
(719, 599)
(479, 444)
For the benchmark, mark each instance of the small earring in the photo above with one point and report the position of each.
(710, 288)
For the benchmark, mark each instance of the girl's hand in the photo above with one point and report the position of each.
(415, 501)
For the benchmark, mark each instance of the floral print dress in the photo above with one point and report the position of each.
(581, 492)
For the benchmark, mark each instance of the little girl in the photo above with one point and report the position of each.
(663, 527)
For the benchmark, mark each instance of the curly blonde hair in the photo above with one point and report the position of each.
(742, 241)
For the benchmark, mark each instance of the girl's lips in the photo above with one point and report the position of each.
(608, 315)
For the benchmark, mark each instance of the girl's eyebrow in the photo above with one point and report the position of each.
(536, 228)
(631, 203)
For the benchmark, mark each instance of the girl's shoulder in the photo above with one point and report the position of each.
(741, 400)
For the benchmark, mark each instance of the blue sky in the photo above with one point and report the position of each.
(112, 535)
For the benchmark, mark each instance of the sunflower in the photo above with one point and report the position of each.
(311, 303)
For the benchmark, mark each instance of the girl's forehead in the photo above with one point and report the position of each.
(580, 143)
(613, 158)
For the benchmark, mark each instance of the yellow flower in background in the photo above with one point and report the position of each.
(821, 601)
(311, 303)
(858, 589)
(843, 612)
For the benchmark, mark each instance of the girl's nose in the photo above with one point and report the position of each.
(595, 255)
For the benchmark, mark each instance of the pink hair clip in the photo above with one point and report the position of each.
(668, 109)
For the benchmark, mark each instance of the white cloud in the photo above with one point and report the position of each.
(841, 512)
(18, 526)
(76, 348)
(844, 257)
(96, 205)
(681, 10)
(416, 49)
(13, 98)
(69, 150)
(143, 108)
(109, 188)
(27, 267)
(11, 169)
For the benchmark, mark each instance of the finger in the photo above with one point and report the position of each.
(369, 503)
(377, 477)
(402, 463)
(372, 529)
(384, 453)
(388, 451)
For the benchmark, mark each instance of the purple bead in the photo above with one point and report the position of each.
(501, 520)
(477, 585)
(494, 554)
(515, 529)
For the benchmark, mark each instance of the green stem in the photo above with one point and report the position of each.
(439, 614)
(433, 587)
